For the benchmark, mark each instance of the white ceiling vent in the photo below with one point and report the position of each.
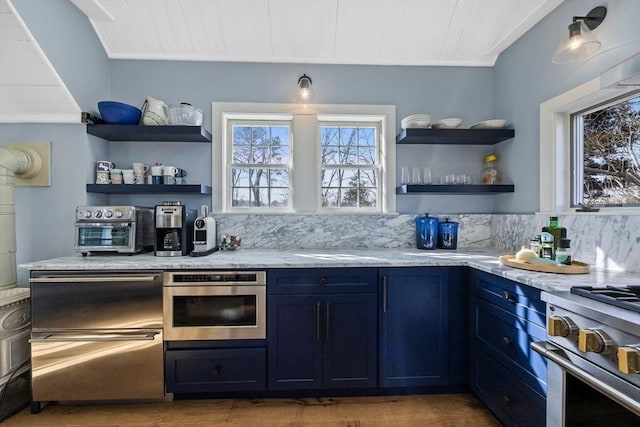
(30, 89)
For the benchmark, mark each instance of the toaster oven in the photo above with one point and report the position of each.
(118, 229)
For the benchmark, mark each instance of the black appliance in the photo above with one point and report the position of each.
(174, 229)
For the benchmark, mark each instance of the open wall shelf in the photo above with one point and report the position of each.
(150, 133)
(148, 189)
(454, 136)
(455, 189)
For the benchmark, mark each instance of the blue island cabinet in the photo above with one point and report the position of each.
(423, 338)
(322, 329)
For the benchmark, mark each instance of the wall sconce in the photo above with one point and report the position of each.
(581, 43)
(304, 83)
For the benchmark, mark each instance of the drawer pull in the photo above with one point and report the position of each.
(507, 296)
(216, 371)
(507, 400)
(323, 281)
(506, 341)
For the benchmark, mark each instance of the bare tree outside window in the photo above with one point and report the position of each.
(260, 166)
(349, 166)
(610, 154)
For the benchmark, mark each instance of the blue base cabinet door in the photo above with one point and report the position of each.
(322, 341)
(413, 319)
(295, 346)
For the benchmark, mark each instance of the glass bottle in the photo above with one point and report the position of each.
(556, 231)
(489, 172)
(563, 253)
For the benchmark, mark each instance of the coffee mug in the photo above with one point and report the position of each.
(116, 176)
(103, 177)
(169, 171)
(168, 179)
(180, 173)
(140, 169)
(128, 176)
(104, 166)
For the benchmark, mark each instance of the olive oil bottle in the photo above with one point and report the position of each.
(556, 231)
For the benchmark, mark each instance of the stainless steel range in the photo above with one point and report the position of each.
(594, 352)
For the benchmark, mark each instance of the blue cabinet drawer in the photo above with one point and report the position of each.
(512, 400)
(201, 371)
(517, 298)
(322, 280)
(509, 337)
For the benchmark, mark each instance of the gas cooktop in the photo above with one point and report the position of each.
(627, 297)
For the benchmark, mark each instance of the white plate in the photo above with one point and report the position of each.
(450, 123)
(489, 124)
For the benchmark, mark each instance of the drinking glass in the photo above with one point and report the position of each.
(404, 177)
(426, 175)
(415, 176)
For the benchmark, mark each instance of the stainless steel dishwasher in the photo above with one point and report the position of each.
(96, 336)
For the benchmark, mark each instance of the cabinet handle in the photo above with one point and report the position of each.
(327, 325)
(216, 371)
(506, 295)
(507, 400)
(506, 341)
(318, 338)
(323, 281)
(384, 294)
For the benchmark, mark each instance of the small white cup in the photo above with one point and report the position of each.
(168, 179)
(128, 176)
(140, 169)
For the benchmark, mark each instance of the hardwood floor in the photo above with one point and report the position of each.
(398, 411)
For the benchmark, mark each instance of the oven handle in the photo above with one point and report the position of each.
(102, 224)
(93, 278)
(556, 355)
(150, 336)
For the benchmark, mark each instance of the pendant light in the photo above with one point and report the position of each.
(581, 43)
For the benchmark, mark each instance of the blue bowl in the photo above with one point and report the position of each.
(118, 113)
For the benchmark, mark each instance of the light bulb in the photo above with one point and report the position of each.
(304, 83)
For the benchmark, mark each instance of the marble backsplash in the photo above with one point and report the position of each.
(344, 231)
(615, 237)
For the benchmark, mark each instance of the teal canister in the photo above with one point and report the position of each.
(426, 232)
(448, 234)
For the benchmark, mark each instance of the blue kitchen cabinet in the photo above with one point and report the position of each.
(506, 374)
(422, 326)
(321, 336)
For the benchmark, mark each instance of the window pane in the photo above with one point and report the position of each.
(366, 155)
(280, 154)
(279, 135)
(328, 136)
(261, 155)
(330, 198)
(279, 197)
(349, 178)
(279, 177)
(240, 197)
(260, 197)
(329, 155)
(259, 177)
(367, 137)
(348, 137)
(611, 154)
(260, 135)
(369, 198)
(241, 135)
(241, 153)
(368, 178)
(330, 178)
(348, 155)
(240, 177)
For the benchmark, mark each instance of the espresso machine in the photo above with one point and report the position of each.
(173, 229)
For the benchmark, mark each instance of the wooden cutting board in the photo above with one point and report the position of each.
(576, 267)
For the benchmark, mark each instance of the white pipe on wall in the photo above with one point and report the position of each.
(12, 162)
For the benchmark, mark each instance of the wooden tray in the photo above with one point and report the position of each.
(576, 267)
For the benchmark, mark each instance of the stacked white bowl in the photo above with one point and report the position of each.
(416, 121)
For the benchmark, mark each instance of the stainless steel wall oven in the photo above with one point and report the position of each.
(593, 350)
(214, 305)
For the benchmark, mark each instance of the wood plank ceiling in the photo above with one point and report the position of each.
(375, 32)
(382, 32)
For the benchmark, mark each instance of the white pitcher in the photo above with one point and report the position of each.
(155, 112)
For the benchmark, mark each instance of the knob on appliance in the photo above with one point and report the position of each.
(593, 341)
(98, 214)
(629, 359)
(560, 326)
(118, 213)
(108, 214)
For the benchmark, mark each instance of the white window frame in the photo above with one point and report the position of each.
(304, 199)
(555, 145)
(229, 164)
(341, 120)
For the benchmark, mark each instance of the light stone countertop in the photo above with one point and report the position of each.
(481, 259)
